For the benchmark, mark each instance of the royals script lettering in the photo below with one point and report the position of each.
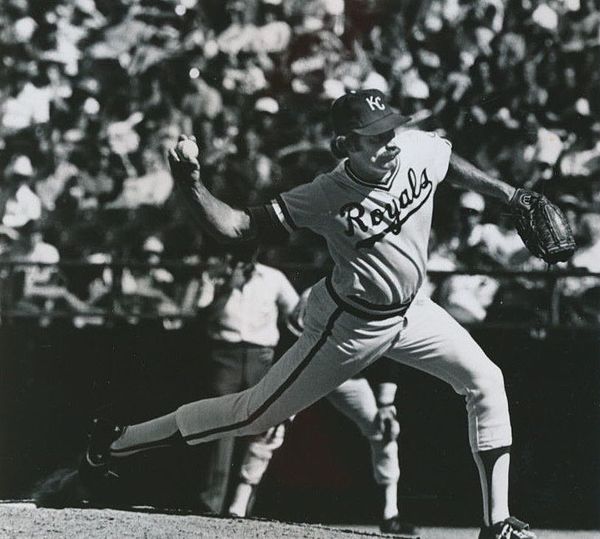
(391, 216)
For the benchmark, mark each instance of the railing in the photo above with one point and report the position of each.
(57, 299)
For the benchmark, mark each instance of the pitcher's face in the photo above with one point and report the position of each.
(374, 155)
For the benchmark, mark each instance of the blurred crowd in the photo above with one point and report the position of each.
(93, 92)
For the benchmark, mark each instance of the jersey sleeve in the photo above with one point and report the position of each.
(440, 155)
(435, 152)
(304, 206)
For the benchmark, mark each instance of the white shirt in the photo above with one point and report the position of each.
(25, 206)
(40, 275)
(250, 314)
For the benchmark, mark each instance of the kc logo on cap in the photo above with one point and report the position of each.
(364, 112)
(375, 102)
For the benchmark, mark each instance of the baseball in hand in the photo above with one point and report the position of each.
(188, 149)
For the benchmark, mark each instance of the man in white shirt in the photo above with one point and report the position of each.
(242, 309)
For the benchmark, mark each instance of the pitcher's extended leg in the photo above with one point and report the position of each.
(334, 346)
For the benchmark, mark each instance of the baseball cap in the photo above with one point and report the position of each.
(364, 112)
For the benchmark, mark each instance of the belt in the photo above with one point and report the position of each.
(381, 311)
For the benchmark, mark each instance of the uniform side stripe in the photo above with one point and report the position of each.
(163, 442)
(280, 390)
(141, 447)
(286, 213)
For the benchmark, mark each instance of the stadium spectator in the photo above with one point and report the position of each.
(581, 295)
(477, 245)
(43, 286)
(249, 173)
(20, 202)
(147, 288)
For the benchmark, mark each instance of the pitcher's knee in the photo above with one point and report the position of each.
(489, 417)
(489, 388)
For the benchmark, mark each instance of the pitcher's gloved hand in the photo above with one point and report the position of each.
(542, 226)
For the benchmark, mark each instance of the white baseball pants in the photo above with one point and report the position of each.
(336, 345)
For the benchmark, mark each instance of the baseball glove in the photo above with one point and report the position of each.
(542, 226)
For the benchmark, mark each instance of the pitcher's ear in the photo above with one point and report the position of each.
(338, 147)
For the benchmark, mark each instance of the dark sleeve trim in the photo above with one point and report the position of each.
(264, 221)
(286, 212)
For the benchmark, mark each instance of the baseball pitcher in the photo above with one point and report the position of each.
(374, 210)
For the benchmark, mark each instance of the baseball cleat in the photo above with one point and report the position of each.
(94, 468)
(510, 528)
(398, 527)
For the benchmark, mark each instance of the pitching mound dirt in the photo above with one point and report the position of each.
(26, 520)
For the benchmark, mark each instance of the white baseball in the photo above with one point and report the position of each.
(188, 149)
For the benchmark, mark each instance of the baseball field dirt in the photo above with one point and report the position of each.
(25, 520)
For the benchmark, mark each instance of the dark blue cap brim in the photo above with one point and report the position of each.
(381, 125)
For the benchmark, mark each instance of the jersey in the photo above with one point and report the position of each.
(377, 234)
